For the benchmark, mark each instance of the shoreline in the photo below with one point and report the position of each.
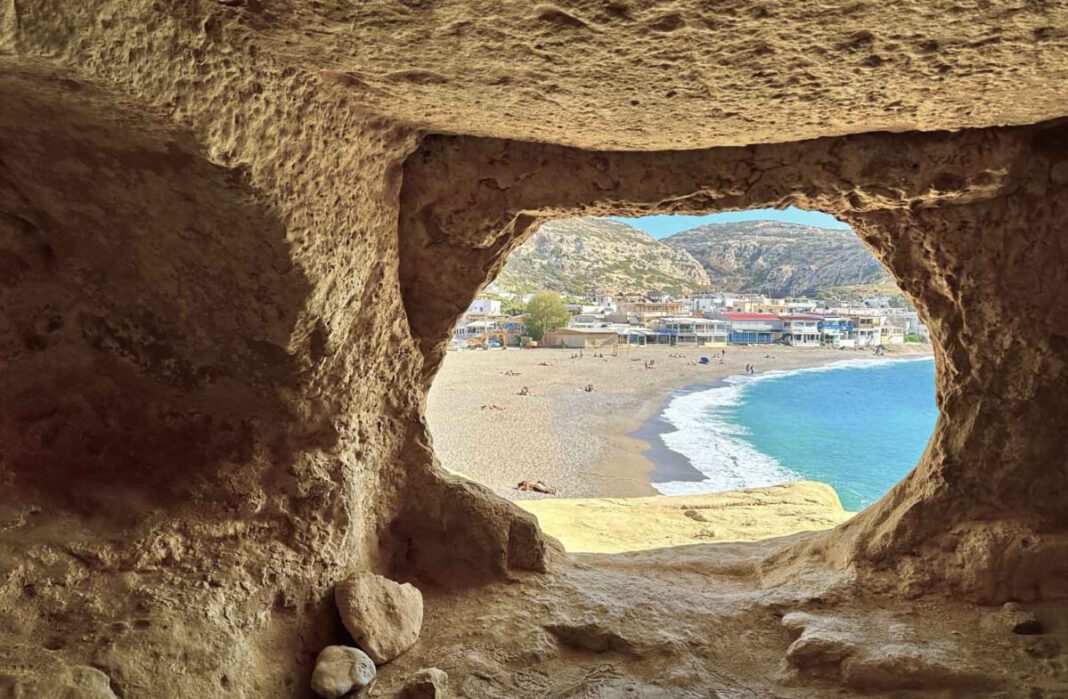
(672, 466)
(587, 445)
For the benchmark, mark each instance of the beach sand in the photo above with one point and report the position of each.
(580, 443)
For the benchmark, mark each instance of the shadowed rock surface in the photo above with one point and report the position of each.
(231, 254)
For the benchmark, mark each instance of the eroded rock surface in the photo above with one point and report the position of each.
(230, 256)
(695, 621)
(683, 74)
(383, 616)
(878, 654)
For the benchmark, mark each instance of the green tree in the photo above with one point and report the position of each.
(545, 312)
(512, 307)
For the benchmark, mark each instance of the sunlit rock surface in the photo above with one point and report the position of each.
(230, 256)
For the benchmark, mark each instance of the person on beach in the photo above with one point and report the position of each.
(536, 486)
(524, 391)
(589, 388)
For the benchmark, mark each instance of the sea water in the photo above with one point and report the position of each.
(857, 425)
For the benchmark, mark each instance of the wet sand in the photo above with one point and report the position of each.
(598, 444)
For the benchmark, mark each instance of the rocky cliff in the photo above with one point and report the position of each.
(780, 259)
(584, 255)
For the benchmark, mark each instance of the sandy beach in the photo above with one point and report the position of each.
(580, 443)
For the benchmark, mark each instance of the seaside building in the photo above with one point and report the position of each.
(754, 303)
(868, 329)
(588, 320)
(473, 329)
(801, 330)
(837, 331)
(581, 338)
(801, 305)
(514, 328)
(483, 306)
(641, 312)
(892, 334)
(909, 321)
(753, 328)
(702, 332)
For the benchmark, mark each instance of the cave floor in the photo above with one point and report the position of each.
(694, 621)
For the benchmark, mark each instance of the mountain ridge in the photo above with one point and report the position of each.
(780, 258)
(585, 255)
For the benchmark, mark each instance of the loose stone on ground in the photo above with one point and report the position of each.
(384, 617)
(341, 669)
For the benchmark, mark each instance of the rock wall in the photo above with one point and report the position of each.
(220, 311)
(199, 416)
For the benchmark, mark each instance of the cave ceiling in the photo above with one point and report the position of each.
(642, 75)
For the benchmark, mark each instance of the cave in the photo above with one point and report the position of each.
(235, 237)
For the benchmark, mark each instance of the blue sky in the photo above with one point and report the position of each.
(661, 226)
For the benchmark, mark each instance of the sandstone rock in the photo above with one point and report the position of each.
(384, 617)
(872, 657)
(903, 667)
(341, 669)
(429, 683)
(27, 671)
(821, 643)
(227, 278)
(1021, 621)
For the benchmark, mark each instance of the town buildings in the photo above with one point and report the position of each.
(702, 320)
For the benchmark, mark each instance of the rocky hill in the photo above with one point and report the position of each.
(583, 255)
(580, 255)
(780, 259)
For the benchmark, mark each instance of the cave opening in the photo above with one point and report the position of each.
(760, 368)
(466, 203)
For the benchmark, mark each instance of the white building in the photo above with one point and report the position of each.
(837, 331)
(801, 330)
(694, 331)
(868, 329)
(588, 321)
(484, 307)
(700, 305)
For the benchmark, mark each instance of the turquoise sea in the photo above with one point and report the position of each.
(857, 425)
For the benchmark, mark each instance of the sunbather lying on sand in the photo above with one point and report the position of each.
(536, 486)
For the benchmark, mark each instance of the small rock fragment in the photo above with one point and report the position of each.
(383, 616)
(820, 642)
(430, 683)
(341, 669)
(1020, 620)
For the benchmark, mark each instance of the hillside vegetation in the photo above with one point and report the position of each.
(782, 259)
(584, 255)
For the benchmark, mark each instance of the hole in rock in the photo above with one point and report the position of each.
(614, 361)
